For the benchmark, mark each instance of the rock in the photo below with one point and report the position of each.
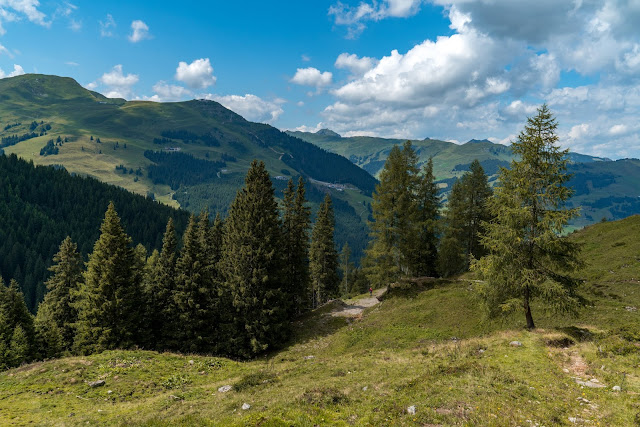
(246, 406)
(98, 383)
(365, 388)
(616, 388)
(411, 410)
(515, 344)
(110, 391)
(631, 308)
(592, 383)
(224, 389)
(309, 357)
(191, 362)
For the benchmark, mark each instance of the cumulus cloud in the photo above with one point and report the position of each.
(197, 75)
(139, 31)
(17, 71)
(117, 83)
(107, 26)
(167, 92)
(251, 107)
(356, 65)
(312, 77)
(354, 18)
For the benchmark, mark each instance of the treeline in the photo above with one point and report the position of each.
(410, 235)
(232, 288)
(176, 169)
(7, 141)
(190, 137)
(41, 205)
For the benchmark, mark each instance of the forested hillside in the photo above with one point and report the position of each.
(53, 120)
(40, 206)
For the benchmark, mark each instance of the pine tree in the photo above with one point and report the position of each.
(162, 317)
(63, 287)
(323, 264)
(252, 265)
(49, 339)
(528, 258)
(109, 304)
(295, 236)
(394, 209)
(423, 251)
(451, 254)
(347, 269)
(19, 347)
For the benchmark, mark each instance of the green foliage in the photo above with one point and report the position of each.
(251, 265)
(109, 300)
(528, 259)
(323, 257)
(467, 210)
(49, 340)
(423, 251)
(17, 332)
(254, 379)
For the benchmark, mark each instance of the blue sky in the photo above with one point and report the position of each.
(447, 69)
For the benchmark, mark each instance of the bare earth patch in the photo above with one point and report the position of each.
(356, 309)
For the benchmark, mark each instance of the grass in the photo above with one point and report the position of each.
(427, 346)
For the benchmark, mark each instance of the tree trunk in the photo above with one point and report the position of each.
(527, 310)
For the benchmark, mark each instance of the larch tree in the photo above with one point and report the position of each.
(528, 257)
(252, 265)
(323, 257)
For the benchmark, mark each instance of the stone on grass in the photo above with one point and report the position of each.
(616, 388)
(515, 344)
(98, 383)
(224, 388)
(411, 410)
(245, 406)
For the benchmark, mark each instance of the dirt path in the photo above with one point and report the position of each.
(356, 307)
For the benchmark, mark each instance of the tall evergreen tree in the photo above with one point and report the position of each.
(193, 293)
(109, 304)
(325, 282)
(394, 209)
(347, 269)
(295, 236)
(63, 288)
(528, 258)
(252, 265)
(16, 327)
(162, 317)
(467, 210)
(49, 339)
(423, 252)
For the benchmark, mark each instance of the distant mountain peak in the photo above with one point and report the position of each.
(328, 132)
(477, 141)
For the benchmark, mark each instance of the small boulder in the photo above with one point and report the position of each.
(411, 410)
(616, 388)
(246, 406)
(515, 344)
(224, 389)
(309, 357)
(191, 362)
(98, 383)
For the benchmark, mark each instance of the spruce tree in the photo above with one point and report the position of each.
(63, 288)
(295, 236)
(252, 265)
(528, 257)
(423, 251)
(109, 304)
(19, 347)
(162, 317)
(347, 269)
(392, 231)
(193, 293)
(17, 332)
(452, 251)
(323, 264)
(49, 339)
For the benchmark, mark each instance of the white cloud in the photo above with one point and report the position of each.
(74, 25)
(251, 107)
(354, 18)
(107, 26)
(91, 86)
(117, 83)
(618, 129)
(312, 77)
(166, 92)
(71, 63)
(197, 75)
(579, 131)
(17, 71)
(356, 65)
(139, 31)
(14, 10)
(305, 58)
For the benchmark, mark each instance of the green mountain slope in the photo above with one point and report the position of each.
(427, 346)
(604, 188)
(107, 139)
